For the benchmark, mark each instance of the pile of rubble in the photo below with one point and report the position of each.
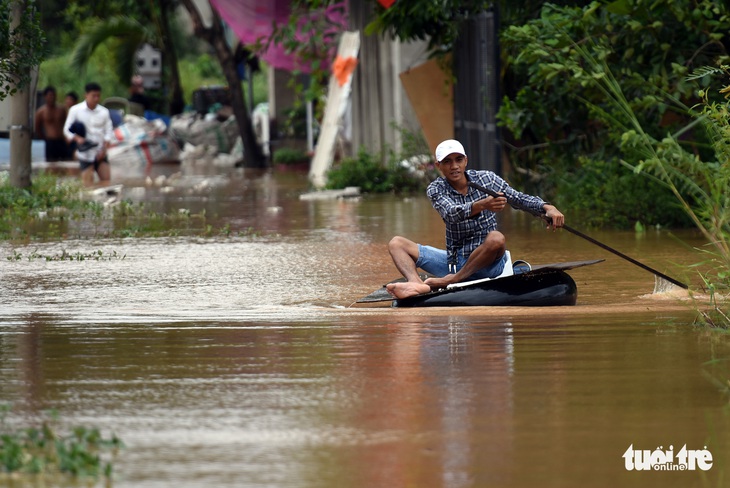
(142, 143)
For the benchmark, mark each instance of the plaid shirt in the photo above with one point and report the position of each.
(463, 232)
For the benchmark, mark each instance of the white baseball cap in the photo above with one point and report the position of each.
(447, 147)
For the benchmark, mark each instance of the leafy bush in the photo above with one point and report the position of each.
(372, 176)
(365, 170)
(55, 71)
(601, 191)
(701, 188)
(557, 113)
(46, 192)
(288, 155)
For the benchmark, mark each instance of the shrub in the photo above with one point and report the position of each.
(607, 193)
(288, 155)
(368, 172)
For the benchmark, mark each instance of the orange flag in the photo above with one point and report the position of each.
(343, 68)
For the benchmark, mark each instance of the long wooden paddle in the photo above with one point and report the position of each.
(541, 215)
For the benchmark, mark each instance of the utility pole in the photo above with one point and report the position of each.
(477, 98)
(20, 126)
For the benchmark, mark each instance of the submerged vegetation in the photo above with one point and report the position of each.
(56, 208)
(43, 454)
(66, 256)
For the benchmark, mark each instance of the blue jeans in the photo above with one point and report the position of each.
(434, 261)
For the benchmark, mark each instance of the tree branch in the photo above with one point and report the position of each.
(198, 25)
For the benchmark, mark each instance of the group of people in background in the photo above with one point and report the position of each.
(81, 130)
(49, 120)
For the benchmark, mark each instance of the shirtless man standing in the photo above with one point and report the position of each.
(49, 120)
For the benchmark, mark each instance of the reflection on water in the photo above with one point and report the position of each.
(389, 400)
(236, 362)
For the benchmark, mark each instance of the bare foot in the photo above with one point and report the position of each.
(440, 282)
(407, 289)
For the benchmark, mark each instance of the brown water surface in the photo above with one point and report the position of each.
(237, 361)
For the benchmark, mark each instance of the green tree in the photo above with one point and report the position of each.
(437, 22)
(557, 126)
(63, 20)
(128, 23)
(228, 57)
(21, 50)
(131, 34)
(22, 45)
(310, 37)
(562, 123)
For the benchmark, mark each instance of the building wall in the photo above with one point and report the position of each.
(378, 99)
(378, 102)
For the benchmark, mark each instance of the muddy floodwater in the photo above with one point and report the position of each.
(238, 361)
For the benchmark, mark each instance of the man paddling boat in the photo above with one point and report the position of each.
(475, 249)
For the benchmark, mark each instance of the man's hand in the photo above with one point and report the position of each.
(557, 219)
(496, 204)
(493, 204)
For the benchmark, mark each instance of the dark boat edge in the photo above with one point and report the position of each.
(546, 289)
(543, 285)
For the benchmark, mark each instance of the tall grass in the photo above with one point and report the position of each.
(702, 188)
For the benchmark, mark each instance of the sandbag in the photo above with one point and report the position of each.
(196, 130)
(160, 149)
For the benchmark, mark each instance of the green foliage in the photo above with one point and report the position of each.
(46, 209)
(294, 124)
(63, 20)
(55, 71)
(44, 194)
(200, 71)
(22, 48)
(309, 36)
(130, 34)
(439, 23)
(288, 155)
(372, 176)
(408, 172)
(557, 108)
(365, 171)
(602, 191)
(205, 66)
(701, 188)
(44, 451)
(66, 256)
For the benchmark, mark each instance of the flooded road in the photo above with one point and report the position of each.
(236, 361)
